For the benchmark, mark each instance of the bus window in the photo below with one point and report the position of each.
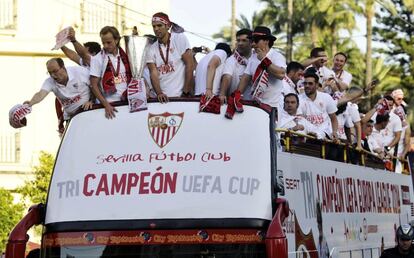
(375, 252)
(356, 254)
(368, 253)
(345, 254)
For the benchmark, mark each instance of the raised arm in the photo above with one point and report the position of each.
(79, 48)
(72, 55)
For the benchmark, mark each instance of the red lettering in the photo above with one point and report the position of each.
(154, 183)
(102, 185)
(132, 181)
(143, 185)
(170, 182)
(118, 185)
(85, 184)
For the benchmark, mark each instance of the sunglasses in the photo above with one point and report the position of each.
(256, 40)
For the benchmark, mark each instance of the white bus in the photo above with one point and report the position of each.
(170, 181)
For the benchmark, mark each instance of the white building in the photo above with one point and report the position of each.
(27, 34)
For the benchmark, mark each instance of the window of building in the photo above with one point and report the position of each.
(97, 14)
(8, 14)
(10, 147)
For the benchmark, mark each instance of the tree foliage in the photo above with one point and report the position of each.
(10, 214)
(331, 24)
(395, 30)
(36, 190)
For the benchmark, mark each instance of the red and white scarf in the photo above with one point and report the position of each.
(108, 83)
(291, 83)
(241, 60)
(260, 83)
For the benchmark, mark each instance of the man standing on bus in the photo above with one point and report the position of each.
(69, 84)
(170, 60)
(266, 72)
(405, 235)
(318, 107)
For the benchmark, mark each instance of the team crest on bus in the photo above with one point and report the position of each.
(163, 127)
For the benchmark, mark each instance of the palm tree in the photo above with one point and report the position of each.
(241, 23)
(369, 15)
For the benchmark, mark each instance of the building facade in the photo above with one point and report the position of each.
(27, 35)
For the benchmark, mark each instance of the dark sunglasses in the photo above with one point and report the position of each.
(256, 39)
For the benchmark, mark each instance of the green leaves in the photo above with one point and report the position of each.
(10, 214)
(36, 190)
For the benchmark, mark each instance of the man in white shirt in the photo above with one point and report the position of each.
(400, 110)
(170, 60)
(392, 132)
(318, 60)
(83, 53)
(69, 84)
(266, 71)
(288, 118)
(294, 73)
(235, 65)
(375, 139)
(209, 70)
(343, 78)
(318, 107)
(110, 71)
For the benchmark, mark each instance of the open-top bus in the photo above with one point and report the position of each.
(171, 181)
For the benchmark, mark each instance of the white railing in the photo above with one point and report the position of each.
(95, 15)
(10, 147)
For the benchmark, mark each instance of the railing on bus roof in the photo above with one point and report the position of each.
(309, 145)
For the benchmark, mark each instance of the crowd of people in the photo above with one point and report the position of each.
(311, 97)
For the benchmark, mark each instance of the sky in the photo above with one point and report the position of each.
(207, 17)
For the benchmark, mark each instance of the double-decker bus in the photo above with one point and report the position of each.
(171, 181)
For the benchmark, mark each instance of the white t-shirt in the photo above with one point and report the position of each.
(324, 73)
(344, 120)
(353, 112)
(236, 71)
(201, 72)
(273, 92)
(375, 140)
(345, 77)
(97, 69)
(394, 125)
(288, 86)
(171, 79)
(317, 111)
(286, 121)
(74, 94)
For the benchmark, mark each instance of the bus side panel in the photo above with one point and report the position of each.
(339, 209)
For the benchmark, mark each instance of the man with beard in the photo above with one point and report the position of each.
(265, 71)
(318, 107)
(235, 65)
(170, 60)
(110, 71)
